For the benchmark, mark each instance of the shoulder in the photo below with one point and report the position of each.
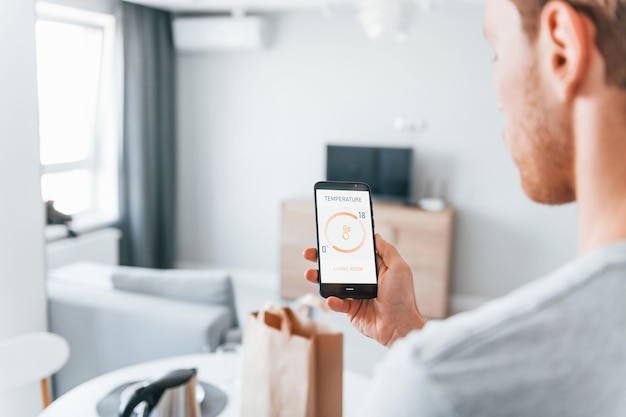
(467, 361)
(529, 306)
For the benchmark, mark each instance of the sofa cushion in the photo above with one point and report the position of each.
(212, 287)
(84, 273)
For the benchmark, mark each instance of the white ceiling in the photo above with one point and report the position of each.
(198, 6)
(228, 5)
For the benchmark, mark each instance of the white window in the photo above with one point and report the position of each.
(78, 119)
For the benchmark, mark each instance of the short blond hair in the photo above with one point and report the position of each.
(609, 17)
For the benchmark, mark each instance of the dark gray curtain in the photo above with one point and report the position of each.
(148, 184)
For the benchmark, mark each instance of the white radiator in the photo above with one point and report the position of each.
(100, 246)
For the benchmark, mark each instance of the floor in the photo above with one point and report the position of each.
(254, 290)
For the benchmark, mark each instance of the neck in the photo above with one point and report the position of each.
(600, 131)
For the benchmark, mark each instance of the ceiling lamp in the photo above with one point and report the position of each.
(389, 16)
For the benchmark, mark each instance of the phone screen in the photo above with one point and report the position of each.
(345, 236)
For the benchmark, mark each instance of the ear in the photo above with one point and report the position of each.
(565, 46)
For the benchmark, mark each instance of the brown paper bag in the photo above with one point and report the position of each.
(293, 367)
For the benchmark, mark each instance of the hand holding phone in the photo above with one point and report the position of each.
(345, 240)
(393, 313)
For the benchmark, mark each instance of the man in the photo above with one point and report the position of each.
(556, 347)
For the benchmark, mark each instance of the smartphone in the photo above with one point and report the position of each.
(346, 254)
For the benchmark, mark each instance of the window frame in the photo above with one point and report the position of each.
(103, 162)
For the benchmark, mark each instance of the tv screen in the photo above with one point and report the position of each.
(388, 171)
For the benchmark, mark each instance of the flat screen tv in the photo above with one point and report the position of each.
(387, 170)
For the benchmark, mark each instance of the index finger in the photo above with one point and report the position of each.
(310, 254)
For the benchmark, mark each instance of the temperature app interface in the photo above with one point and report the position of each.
(346, 239)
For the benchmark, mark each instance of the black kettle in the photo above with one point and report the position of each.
(173, 395)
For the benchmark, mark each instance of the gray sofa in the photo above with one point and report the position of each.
(114, 316)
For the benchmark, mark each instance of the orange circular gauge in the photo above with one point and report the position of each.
(344, 232)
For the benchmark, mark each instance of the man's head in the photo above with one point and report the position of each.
(548, 54)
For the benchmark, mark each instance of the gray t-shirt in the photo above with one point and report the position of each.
(556, 347)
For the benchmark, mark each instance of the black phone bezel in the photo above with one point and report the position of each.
(345, 290)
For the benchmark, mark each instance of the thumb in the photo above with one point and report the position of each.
(387, 252)
(338, 305)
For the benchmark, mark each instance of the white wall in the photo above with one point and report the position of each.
(253, 128)
(22, 298)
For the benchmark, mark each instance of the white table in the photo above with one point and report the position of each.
(82, 400)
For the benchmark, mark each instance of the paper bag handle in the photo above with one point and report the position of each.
(286, 325)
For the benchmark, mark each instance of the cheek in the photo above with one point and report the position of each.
(509, 79)
(500, 83)
(509, 85)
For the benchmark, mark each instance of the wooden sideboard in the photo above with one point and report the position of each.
(424, 239)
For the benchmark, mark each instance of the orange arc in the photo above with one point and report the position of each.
(344, 213)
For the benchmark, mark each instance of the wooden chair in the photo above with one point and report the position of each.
(32, 357)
